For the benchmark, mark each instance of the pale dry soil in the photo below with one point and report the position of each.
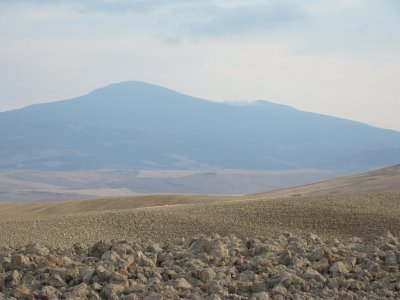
(165, 218)
(381, 180)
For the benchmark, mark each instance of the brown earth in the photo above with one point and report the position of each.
(382, 180)
(169, 217)
(363, 205)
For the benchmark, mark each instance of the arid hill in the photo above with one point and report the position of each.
(382, 180)
(170, 217)
(363, 205)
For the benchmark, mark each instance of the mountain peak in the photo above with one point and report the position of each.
(142, 125)
(132, 84)
(138, 88)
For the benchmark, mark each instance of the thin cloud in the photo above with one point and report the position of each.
(219, 21)
(200, 18)
(103, 6)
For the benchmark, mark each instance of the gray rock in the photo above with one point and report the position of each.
(182, 283)
(87, 274)
(79, 291)
(154, 247)
(142, 260)
(260, 296)
(279, 290)
(213, 297)
(338, 269)
(391, 261)
(206, 275)
(13, 279)
(286, 257)
(110, 255)
(118, 278)
(97, 286)
(49, 293)
(122, 249)
(98, 249)
(56, 281)
(67, 274)
(19, 261)
(200, 245)
(313, 274)
(153, 296)
(213, 267)
(218, 249)
(111, 291)
(36, 249)
(132, 297)
(102, 273)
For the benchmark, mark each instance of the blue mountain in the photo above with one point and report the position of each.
(143, 126)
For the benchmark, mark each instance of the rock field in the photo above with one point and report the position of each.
(206, 267)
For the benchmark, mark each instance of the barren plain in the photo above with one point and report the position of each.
(310, 242)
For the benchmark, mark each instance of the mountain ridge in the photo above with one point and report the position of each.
(139, 125)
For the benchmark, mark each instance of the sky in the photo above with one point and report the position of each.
(339, 58)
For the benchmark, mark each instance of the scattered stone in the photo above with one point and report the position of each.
(99, 248)
(49, 293)
(112, 291)
(23, 292)
(391, 261)
(260, 296)
(313, 274)
(218, 249)
(110, 255)
(36, 249)
(182, 283)
(207, 267)
(56, 281)
(19, 261)
(206, 275)
(79, 291)
(338, 269)
(143, 261)
(13, 279)
(286, 257)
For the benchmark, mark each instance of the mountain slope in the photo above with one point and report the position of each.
(142, 126)
(382, 180)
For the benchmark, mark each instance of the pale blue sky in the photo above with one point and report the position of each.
(335, 57)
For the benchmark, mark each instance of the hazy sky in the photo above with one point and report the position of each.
(337, 57)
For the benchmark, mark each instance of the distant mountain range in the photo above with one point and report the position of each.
(142, 126)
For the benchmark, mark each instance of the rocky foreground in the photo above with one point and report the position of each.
(206, 267)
